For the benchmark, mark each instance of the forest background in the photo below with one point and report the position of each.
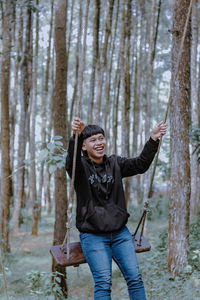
(119, 59)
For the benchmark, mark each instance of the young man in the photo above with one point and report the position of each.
(101, 214)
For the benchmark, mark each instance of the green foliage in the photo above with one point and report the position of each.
(31, 5)
(54, 154)
(194, 258)
(159, 283)
(195, 138)
(37, 283)
(43, 283)
(158, 208)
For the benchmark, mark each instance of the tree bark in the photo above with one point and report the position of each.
(26, 85)
(116, 88)
(6, 183)
(149, 75)
(195, 168)
(124, 111)
(150, 63)
(137, 101)
(94, 59)
(45, 96)
(103, 60)
(47, 192)
(78, 45)
(117, 84)
(60, 128)
(180, 159)
(32, 174)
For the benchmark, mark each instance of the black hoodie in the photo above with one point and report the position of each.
(101, 203)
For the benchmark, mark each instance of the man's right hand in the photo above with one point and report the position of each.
(77, 125)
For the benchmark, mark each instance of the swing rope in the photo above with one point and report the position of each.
(146, 203)
(149, 195)
(71, 198)
(170, 97)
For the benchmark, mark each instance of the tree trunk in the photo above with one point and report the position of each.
(116, 88)
(32, 173)
(14, 97)
(6, 183)
(94, 59)
(136, 104)
(47, 192)
(125, 78)
(26, 82)
(180, 159)
(117, 84)
(83, 57)
(103, 60)
(78, 45)
(198, 107)
(195, 168)
(45, 96)
(149, 74)
(60, 122)
(109, 120)
(150, 62)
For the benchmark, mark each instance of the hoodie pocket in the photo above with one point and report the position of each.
(107, 218)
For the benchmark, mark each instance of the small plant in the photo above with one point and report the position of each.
(41, 283)
(54, 154)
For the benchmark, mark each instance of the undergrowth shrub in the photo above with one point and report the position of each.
(43, 283)
(160, 284)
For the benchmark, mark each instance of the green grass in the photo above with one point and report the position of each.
(28, 266)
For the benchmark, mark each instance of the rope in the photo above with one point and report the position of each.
(70, 205)
(149, 195)
(170, 97)
(143, 218)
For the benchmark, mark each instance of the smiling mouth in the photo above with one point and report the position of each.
(99, 149)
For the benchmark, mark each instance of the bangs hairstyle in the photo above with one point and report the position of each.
(90, 130)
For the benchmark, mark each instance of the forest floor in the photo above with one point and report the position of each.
(28, 267)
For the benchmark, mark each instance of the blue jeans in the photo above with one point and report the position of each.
(99, 249)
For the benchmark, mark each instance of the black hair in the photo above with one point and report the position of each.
(90, 130)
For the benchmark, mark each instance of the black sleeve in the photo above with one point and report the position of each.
(140, 164)
(70, 154)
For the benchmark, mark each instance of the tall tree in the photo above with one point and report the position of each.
(17, 43)
(149, 79)
(94, 58)
(125, 77)
(78, 50)
(150, 62)
(45, 111)
(32, 174)
(60, 128)
(26, 86)
(116, 86)
(6, 184)
(180, 158)
(195, 168)
(103, 59)
(137, 98)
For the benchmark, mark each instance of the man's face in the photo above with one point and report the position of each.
(95, 146)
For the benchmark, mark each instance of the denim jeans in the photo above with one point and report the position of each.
(99, 249)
